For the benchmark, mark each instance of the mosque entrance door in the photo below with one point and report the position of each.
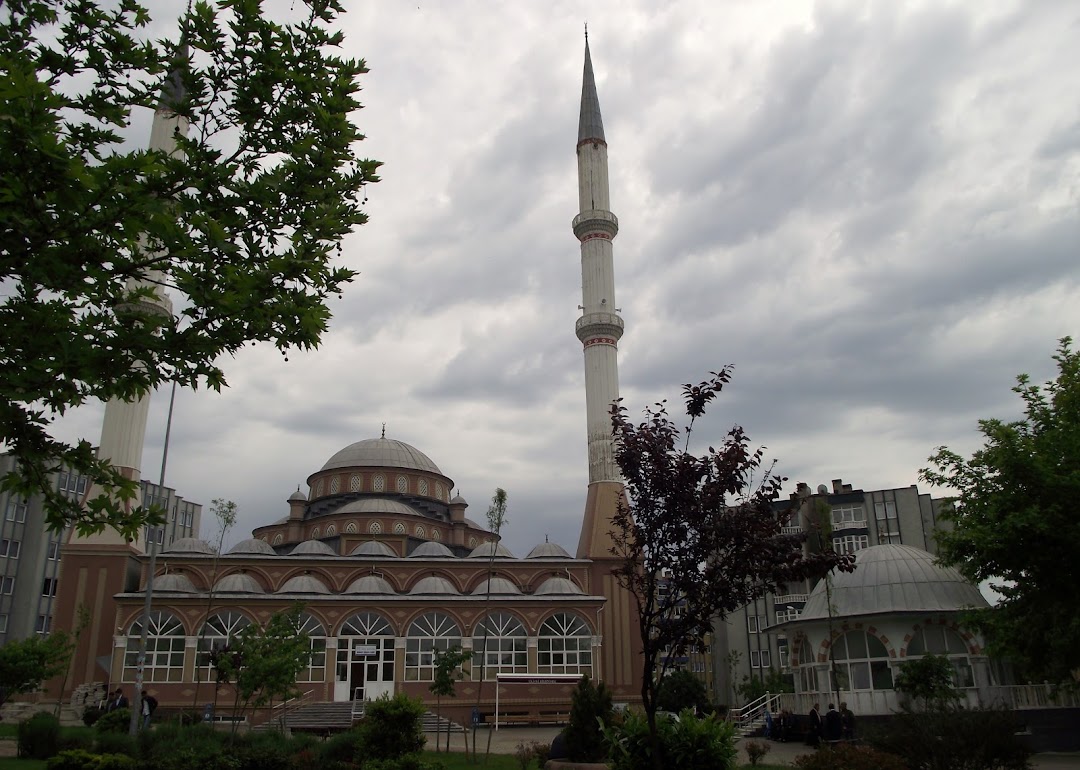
(365, 668)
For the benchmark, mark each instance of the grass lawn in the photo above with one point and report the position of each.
(457, 760)
(10, 763)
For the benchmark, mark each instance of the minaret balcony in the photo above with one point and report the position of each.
(593, 325)
(596, 221)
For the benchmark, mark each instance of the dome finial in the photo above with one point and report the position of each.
(384, 430)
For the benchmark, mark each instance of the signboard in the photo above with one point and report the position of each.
(363, 650)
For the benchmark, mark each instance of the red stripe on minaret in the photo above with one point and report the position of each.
(594, 236)
(599, 341)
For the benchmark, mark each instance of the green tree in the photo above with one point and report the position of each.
(263, 663)
(1013, 521)
(928, 681)
(590, 713)
(496, 519)
(225, 512)
(697, 537)
(447, 665)
(241, 223)
(26, 663)
(682, 690)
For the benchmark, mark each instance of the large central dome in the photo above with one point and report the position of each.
(382, 453)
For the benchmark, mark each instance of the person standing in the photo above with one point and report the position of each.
(120, 701)
(814, 736)
(149, 705)
(847, 722)
(833, 725)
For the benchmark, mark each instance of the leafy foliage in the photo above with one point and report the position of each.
(26, 663)
(39, 736)
(1014, 522)
(699, 537)
(115, 721)
(590, 710)
(447, 664)
(688, 744)
(80, 759)
(242, 222)
(682, 690)
(946, 738)
(928, 681)
(756, 750)
(391, 728)
(849, 756)
(775, 681)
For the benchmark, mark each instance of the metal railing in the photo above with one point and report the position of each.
(748, 717)
(279, 710)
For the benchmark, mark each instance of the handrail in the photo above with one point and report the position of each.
(285, 704)
(746, 716)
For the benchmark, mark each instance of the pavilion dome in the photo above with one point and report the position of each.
(174, 581)
(313, 548)
(238, 583)
(892, 579)
(555, 586)
(303, 584)
(434, 584)
(189, 545)
(252, 545)
(500, 586)
(373, 548)
(377, 505)
(370, 584)
(548, 551)
(382, 453)
(484, 550)
(431, 549)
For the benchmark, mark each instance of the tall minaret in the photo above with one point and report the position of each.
(600, 326)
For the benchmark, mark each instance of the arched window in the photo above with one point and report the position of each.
(807, 673)
(375, 527)
(422, 487)
(420, 531)
(436, 535)
(440, 490)
(331, 530)
(378, 484)
(164, 649)
(564, 645)
(399, 528)
(318, 488)
(499, 646)
(402, 484)
(861, 663)
(939, 640)
(314, 533)
(316, 670)
(350, 528)
(278, 538)
(335, 485)
(354, 482)
(430, 632)
(366, 624)
(216, 633)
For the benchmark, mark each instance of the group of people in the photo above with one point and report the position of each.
(117, 700)
(779, 727)
(835, 726)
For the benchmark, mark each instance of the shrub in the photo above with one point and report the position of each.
(39, 736)
(342, 747)
(76, 738)
(78, 759)
(681, 690)
(755, 750)
(118, 721)
(115, 743)
(951, 738)
(173, 747)
(527, 751)
(90, 715)
(590, 708)
(687, 744)
(848, 756)
(392, 728)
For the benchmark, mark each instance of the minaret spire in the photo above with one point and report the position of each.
(599, 327)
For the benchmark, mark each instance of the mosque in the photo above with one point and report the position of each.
(384, 560)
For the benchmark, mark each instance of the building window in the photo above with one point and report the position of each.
(375, 528)
(3, 624)
(16, 510)
(216, 633)
(48, 586)
(422, 487)
(755, 659)
(786, 614)
(850, 543)
(318, 488)
(366, 624)
(848, 516)
(187, 516)
(402, 485)
(350, 528)
(782, 656)
(939, 640)
(564, 645)
(766, 659)
(756, 624)
(399, 528)
(278, 539)
(335, 485)
(420, 531)
(7, 586)
(378, 484)
(861, 662)
(355, 482)
(440, 490)
(436, 535)
(331, 530)
(499, 646)
(314, 533)
(164, 649)
(10, 548)
(430, 632)
(52, 552)
(316, 670)
(71, 482)
(42, 624)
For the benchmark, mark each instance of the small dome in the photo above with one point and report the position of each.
(298, 496)
(431, 549)
(373, 548)
(557, 586)
(893, 578)
(174, 581)
(189, 545)
(458, 500)
(500, 586)
(370, 584)
(313, 548)
(382, 453)
(485, 550)
(434, 585)
(253, 545)
(239, 583)
(377, 505)
(303, 584)
(548, 551)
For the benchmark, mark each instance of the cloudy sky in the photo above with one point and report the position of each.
(870, 209)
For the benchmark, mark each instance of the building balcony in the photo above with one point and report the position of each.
(789, 599)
